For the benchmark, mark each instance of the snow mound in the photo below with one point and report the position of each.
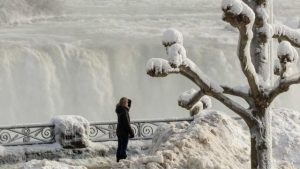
(71, 131)
(286, 136)
(45, 164)
(214, 140)
(211, 141)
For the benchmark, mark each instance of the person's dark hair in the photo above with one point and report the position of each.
(123, 102)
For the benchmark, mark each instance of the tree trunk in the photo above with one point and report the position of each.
(261, 140)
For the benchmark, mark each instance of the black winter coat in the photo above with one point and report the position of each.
(123, 128)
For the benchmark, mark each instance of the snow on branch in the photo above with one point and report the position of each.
(190, 70)
(241, 16)
(236, 91)
(294, 79)
(173, 41)
(283, 85)
(287, 56)
(189, 98)
(194, 101)
(283, 32)
(157, 67)
(286, 52)
(237, 13)
(178, 62)
(202, 80)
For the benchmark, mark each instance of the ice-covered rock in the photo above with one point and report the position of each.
(71, 131)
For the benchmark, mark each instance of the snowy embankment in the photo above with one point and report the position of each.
(213, 140)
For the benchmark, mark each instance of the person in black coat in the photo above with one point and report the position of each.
(124, 130)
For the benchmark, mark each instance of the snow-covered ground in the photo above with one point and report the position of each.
(213, 140)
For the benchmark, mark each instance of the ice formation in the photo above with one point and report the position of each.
(71, 131)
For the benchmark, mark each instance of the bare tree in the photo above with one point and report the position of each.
(250, 17)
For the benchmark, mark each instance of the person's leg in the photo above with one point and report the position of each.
(124, 147)
(119, 155)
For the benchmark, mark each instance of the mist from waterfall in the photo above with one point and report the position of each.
(80, 56)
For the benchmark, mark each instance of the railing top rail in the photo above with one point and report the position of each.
(146, 121)
(27, 126)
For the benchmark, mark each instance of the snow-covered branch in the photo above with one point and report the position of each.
(283, 32)
(178, 62)
(189, 98)
(235, 92)
(190, 70)
(241, 16)
(157, 67)
(287, 56)
(194, 101)
(283, 85)
(294, 79)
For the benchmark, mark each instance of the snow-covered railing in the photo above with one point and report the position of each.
(99, 131)
(27, 134)
(143, 129)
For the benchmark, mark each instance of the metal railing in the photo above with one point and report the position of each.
(143, 129)
(27, 134)
(99, 131)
